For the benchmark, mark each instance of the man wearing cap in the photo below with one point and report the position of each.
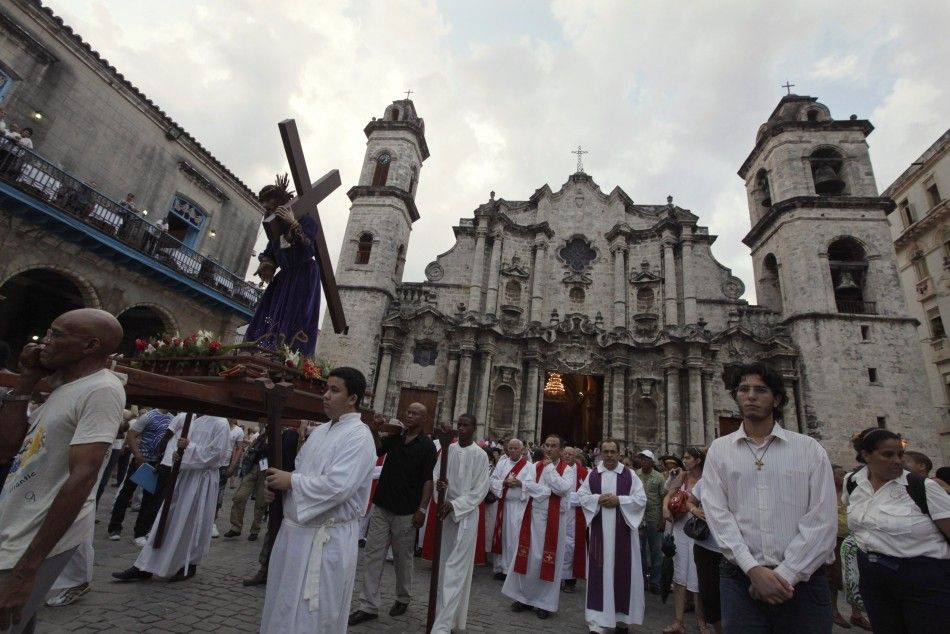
(651, 529)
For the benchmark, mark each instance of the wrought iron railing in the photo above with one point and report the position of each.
(32, 174)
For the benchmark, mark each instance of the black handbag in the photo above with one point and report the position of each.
(696, 528)
(491, 498)
(668, 548)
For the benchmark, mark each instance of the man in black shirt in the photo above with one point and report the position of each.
(399, 509)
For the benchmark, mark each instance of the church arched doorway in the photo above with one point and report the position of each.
(573, 407)
(30, 301)
(140, 322)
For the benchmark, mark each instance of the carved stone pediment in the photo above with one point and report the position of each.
(644, 275)
(514, 268)
(577, 277)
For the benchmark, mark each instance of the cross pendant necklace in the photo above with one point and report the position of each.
(757, 459)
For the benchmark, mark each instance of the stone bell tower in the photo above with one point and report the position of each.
(823, 257)
(373, 254)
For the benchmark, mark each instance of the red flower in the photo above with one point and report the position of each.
(289, 363)
(214, 346)
(141, 344)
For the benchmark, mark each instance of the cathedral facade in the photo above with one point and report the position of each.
(582, 312)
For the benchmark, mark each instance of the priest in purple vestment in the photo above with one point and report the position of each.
(613, 501)
(289, 310)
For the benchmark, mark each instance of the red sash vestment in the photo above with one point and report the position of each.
(500, 515)
(580, 531)
(552, 526)
(372, 487)
(428, 539)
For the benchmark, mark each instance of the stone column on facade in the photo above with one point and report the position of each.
(382, 377)
(697, 427)
(669, 283)
(529, 419)
(790, 410)
(488, 354)
(464, 381)
(619, 251)
(478, 269)
(540, 248)
(689, 282)
(618, 393)
(451, 377)
(674, 422)
(492, 305)
(709, 413)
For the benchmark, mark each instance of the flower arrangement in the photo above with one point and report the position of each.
(204, 345)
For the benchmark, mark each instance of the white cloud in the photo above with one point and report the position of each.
(666, 96)
(835, 68)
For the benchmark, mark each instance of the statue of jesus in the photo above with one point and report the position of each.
(289, 310)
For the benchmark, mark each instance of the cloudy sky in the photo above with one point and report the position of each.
(666, 96)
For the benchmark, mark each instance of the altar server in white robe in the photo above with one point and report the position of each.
(313, 563)
(465, 486)
(191, 514)
(613, 500)
(507, 483)
(534, 579)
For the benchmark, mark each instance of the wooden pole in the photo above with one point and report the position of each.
(445, 436)
(170, 488)
(275, 397)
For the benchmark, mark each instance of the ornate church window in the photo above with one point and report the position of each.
(577, 295)
(425, 353)
(363, 248)
(513, 292)
(382, 169)
(645, 300)
(577, 254)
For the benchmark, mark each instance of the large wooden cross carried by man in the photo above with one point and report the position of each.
(308, 196)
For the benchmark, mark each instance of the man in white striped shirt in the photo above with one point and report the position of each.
(769, 498)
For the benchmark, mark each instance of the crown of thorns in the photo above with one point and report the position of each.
(279, 192)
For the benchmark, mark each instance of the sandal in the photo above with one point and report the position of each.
(861, 621)
(675, 629)
(705, 628)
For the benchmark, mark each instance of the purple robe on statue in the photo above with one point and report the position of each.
(291, 303)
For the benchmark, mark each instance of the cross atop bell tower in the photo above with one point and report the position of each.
(580, 159)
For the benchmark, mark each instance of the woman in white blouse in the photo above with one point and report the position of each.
(904, 556)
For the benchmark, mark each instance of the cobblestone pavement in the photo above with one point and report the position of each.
(215, 601)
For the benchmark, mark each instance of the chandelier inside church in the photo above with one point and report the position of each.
(554, 386)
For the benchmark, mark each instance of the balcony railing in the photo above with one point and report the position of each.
(855, 307)
(30, 173)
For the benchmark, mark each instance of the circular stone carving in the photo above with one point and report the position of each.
(733, 288)
(434, 272)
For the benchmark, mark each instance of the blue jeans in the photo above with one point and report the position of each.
(651, 540)
(809, 609)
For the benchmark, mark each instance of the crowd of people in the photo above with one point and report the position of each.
(759, 532)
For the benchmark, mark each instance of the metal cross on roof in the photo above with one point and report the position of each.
(787, 86)
(580, 158)
(409, 92)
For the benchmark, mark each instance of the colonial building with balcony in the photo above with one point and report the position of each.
(173, 261)
(920, 226)
(589, 314)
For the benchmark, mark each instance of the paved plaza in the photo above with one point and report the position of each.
(215, 600)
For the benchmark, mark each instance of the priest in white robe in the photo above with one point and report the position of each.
(507, 484)
(187, 535)
(313, 562)
(465, 486)
(613, 500)
(535, 577)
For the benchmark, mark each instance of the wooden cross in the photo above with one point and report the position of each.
(787, 86)
(308, 195)
(580, 156)
(409, 92)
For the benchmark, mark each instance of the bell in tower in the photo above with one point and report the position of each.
(827, 181)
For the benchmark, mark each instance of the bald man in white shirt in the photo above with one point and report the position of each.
(769, 498)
